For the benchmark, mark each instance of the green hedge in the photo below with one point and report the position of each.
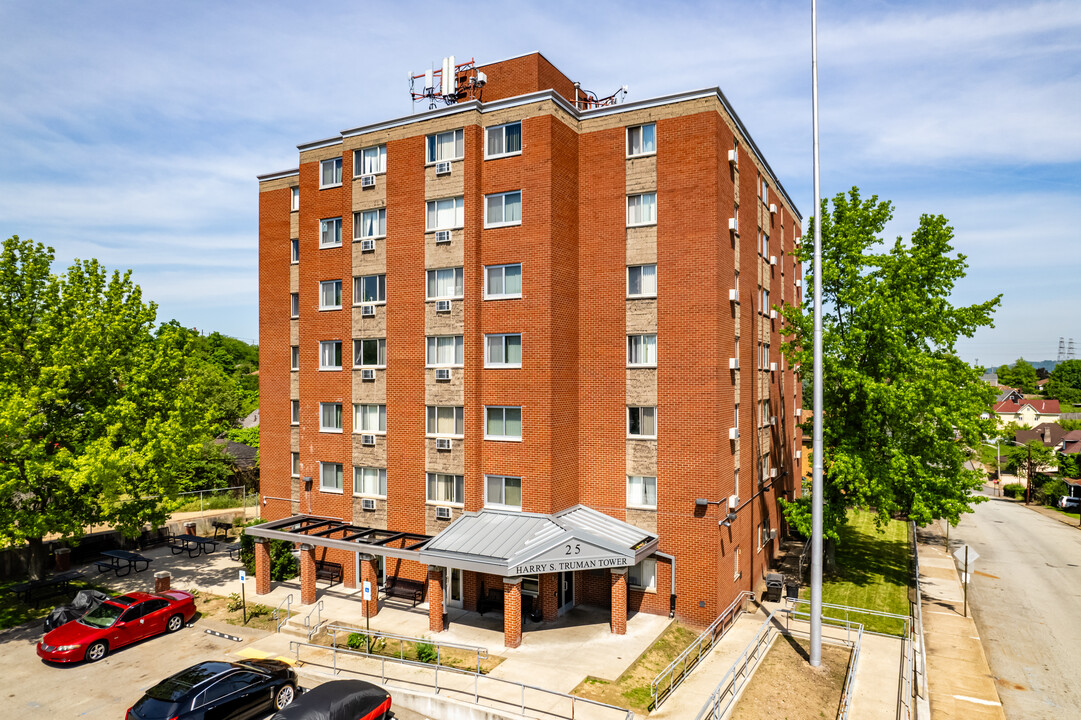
(1014, 490)
(283, 564)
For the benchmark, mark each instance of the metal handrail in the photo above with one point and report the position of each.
(622, 713)
(481, 652)
(905, 619)
(287, 602)
(318, 610)
(918, 679)
(850, 677)
(709, 635)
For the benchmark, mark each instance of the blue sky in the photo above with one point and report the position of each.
(133, 132)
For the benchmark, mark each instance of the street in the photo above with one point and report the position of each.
(1025, 597)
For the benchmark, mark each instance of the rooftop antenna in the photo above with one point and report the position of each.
(450, 84)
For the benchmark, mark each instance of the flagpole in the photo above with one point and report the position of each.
(816, 447)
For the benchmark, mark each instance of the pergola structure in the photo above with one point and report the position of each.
(507, 544)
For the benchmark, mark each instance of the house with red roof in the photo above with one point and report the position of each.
(1026, 411)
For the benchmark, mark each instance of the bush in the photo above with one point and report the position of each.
(356, 641)
(283, 566)
(234, 602)
(1014, 490)
(1051, 491)
(426, 652)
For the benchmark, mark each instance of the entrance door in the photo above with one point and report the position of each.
(453, 592)
(380, 564)
(566, 591)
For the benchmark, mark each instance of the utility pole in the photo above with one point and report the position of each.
(1028, 480)
(816, 467)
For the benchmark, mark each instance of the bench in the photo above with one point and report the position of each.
(105, 566)
(234, 550)
(329, 571)
(54, 585)
(225, 527)
(404, 588)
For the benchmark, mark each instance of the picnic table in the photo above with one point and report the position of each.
(193, 544)
(121, 562)
(56, 584)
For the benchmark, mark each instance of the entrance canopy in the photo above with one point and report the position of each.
(499, 542)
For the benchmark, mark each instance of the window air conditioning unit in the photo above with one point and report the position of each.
(772, 314)
(367, 504)
(772, 259)
(442, 443)
(772, 534)
(733, 433)
(367, 374)
(772, 419)
(368, 440)
(442, 236)
(733, 363)
(367, 245)
(799, 411)
(442, 168)
(733, 295)
(733, 502)
(773, 367)
(773, 472)
(799, 454)
(442, 513)
(442, 373)
(367, 181)
(773, 208)
(733, 157)
(367, 310)
(442, 306)
(733, 224)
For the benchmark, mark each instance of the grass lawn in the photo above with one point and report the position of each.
(872, 573)
(1071, 515)
(16, 612)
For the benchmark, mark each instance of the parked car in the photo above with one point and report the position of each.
(1069, 503)
(85, 601)
(339, 700)
(219, 691)
(117, 622)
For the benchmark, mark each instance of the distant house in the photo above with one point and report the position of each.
(1024, 411)
(243, 456)
(990, 378)
(1050, 434)
(1070, 443)
(1041, 385)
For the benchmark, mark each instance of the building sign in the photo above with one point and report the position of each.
(572, 555)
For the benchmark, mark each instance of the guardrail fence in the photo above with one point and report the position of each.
(481, 653)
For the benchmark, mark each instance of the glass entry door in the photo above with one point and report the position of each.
(566, 591)
(452, 595)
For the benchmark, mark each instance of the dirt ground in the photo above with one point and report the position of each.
(216, 607)
(786, 687)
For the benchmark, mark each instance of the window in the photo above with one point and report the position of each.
(370, 224)
(446, 488)
(642, 350)
(296, 464)
(502, 282)
(370, 419)
(330, 173)
(764, 310)
(736, 418)
(737, 285)
(643, 576)
(737, 574)
(503, 351)
(642, 209)
(370, 352)
(763, 533)
(294, 305)
(642, 422)
(641, 491)
(502, 423)
(446, 146)
(370, 481)
(642, 281)
(330, 477)
(445, 284)
(735, 483)
(446, 350)
(370, 161)
(369, 289)
(294, 199)
(294, 417)
(503, 140)
(294, 251)
(330, 355)
(763, 413)
(763, 356)
(330, 417)
(503, 491)
(294, 357)
(765, 244)
(330, 295)
(446, 214)
(765, 192)
(642, 140)
(330, 232)
(503, 209)
(446, 421)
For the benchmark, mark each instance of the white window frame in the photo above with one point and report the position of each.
(294, 412)
(359, 489)
(459, 421)
(632, 340)
(358, 352)
(432, 146)
(488, 295)
(381, 289)
(294, 305)
(294, 251)
(294, 358)
(324, 286)
(640, 501)
(322, 476)
(459, 213)
(503, 409)
(324, 345)
(647, 568)
(336, 170)
(459, 281)
(502, 338)
(294, 459)
(380, 162)
(737, 573)
(639, 268)
(457, 482)
(502, 197)
(488, 155)
(324, 224)
(432, 348)
(360, 419)
(640, 408)
(641, 131)
(636, 208)
(502, 502)
(294, 198)
(323, 427)
(380, 223)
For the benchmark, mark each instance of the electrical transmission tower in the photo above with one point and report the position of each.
(1061, 350)
(1069, 351)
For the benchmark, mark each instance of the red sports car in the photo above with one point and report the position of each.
(117, 622)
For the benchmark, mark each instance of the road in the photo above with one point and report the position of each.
(1026, 599)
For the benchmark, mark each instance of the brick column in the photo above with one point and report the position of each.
(368, 608)
(262, 566)
(619, 601)
(307, 574)
(163, 579)
(435, 598)
(549, 596)
(512, 612)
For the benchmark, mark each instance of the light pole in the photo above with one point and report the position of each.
(816, 466)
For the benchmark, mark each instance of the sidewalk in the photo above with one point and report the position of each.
(960, 684)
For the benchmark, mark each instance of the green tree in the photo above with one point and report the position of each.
(97, 417)
(1065, 382)
(1042, 459)
(1023, 376)
(899, 406)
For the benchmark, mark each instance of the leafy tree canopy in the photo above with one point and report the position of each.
(1065, 382)
(899, 406)
(1043, 459)
(1021, 375)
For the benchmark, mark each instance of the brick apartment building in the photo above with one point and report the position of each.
(544, 322)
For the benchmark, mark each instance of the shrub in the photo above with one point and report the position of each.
(234, 602)
(1051, 491)
(283, 566)
(356, 641)
(1014, 490)
(426, 652)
